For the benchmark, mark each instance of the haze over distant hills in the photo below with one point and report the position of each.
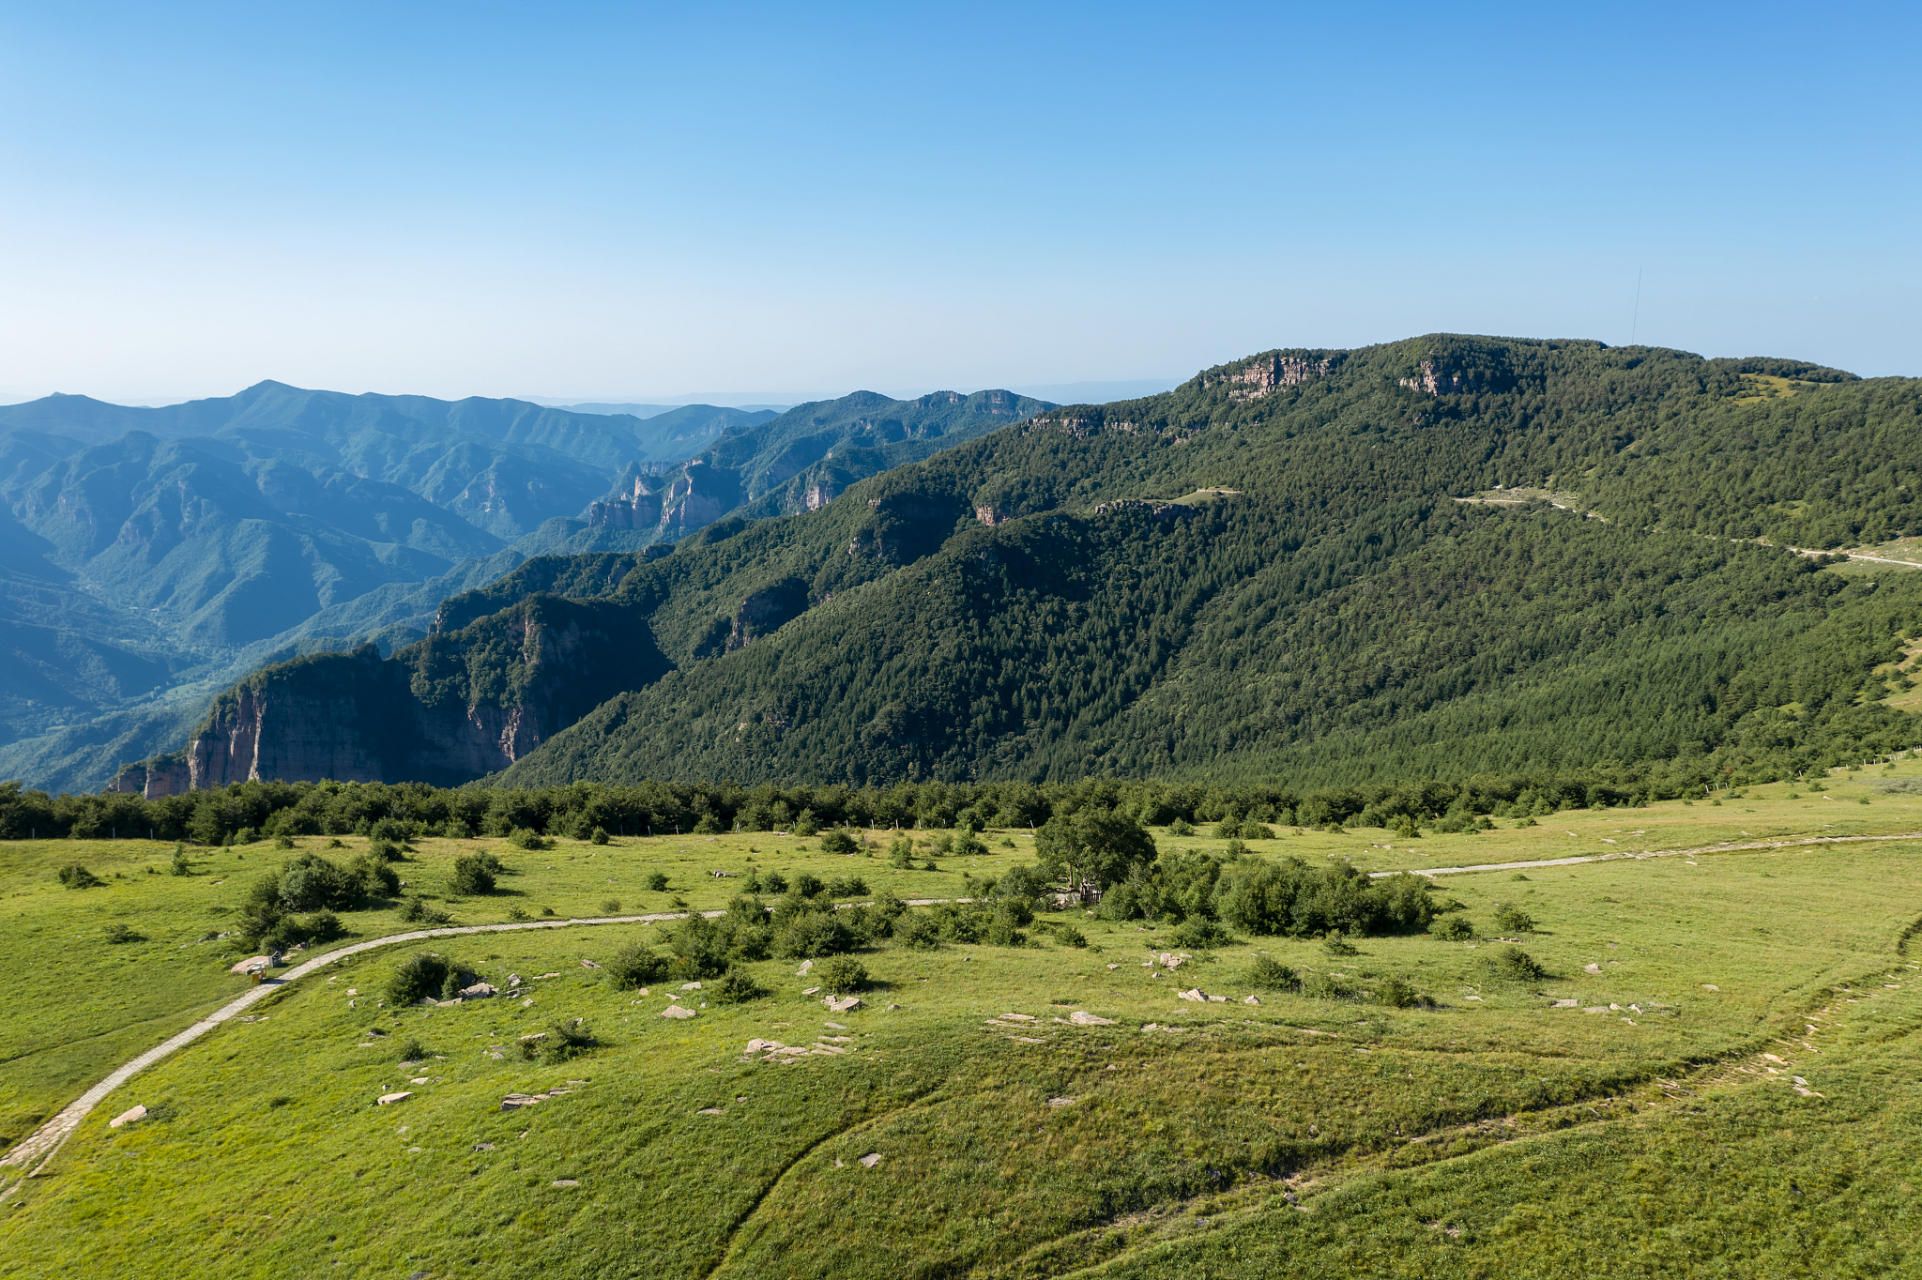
(1328, 566)
(152, 554)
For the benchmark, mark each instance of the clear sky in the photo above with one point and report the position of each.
(617, 201)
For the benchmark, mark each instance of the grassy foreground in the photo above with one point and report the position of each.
(1494, 1134)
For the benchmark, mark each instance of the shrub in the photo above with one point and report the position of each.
(527, 838)
(1329, 986)
(807, 885)
(472, 875)
(847, 887)
(1271, 975)
(736, 987)
(1517, 965)
(1452, 929)
(411, 1050)
(180, 866)
(377, 879)
(75, 876)
(309, 882)
(1510, 918)
(635, 965)
(901, 853)
(283, 841)
(842, 974)
(416, 911)
(1195, 932)
(117, 933)
(656, 881)
(1336, 945)
(1069, 936)
(426, 977)
(1181, 827)
(563, 1042)
(1252, 830)
(838, 842)
(517, 913)
(806, 825)
(809, 934)
(599, 836)
(1396, 994)
(917, 931)
(381, 851)
(700, 947)
(611, 907)
(322, 926)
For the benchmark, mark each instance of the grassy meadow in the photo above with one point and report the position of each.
(1731, 1092)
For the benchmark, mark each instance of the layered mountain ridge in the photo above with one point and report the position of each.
(163, 552)
(1332, 565)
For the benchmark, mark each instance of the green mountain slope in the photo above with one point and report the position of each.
(1270, 571)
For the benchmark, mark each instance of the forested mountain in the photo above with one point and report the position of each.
(154, 554)
(1269, 571)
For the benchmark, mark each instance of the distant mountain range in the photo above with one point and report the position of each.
(152, 554)
(1433, 558)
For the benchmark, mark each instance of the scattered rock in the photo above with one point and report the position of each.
(808, 991)
(757, 1045)
(834, 1026)
(1566, 1004)
(1596, 1008)
(1194, 994)
(1780, 1062)
(1710, 986)
(128, 1117)
(386, 1099)
(566, 1182)
(483, 1146)
(842, 1004)
(1062, 1102)
(252, 964)
(690, 986)
(1591, 968)
(871, 1159)
(479, 991)
(588, 964)
(676, 1011)
(709, 1111)
(1018, 1017)
(1114, 966)
(1252, 1000)
(1082, 1018)
(807, 967)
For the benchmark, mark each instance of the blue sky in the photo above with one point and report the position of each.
(623, 201)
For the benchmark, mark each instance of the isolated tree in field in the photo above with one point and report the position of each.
(1093, 842)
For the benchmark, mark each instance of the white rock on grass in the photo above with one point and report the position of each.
(588, 964)
(1252, 1000)
(252, 964)
(1193, 994)
(871, 1159)
(1566, 1004)
(1082, 1018)
(807, 967)
(479, 991)
(843, 1004)
(128, 1117)
(690, 986)
(676, 1011)
(388, 1099)
(1061, 1102)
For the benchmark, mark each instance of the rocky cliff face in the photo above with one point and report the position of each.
(446, 710)
(1265, 374)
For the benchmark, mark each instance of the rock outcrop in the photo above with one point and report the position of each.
(1268, 373)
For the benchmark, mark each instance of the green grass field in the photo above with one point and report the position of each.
(1656, 1127)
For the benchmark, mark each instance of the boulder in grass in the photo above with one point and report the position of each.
(1193, 994)
(841, 1004)
(1082, 1018)
(389, 1099)
(479, 991)
(128, 1117)
(252, 964)
(676, 1011)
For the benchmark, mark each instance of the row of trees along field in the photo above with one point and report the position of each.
(255, 809)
